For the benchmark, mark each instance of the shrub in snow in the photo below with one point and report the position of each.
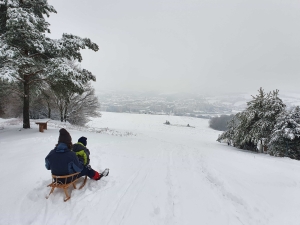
(285, 138)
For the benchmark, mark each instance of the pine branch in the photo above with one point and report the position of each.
(6, 61)
(34, 73)
(37, 80)
(37, 54)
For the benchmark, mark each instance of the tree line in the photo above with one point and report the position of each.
(39, 76)
(266, 125)
(220, 122)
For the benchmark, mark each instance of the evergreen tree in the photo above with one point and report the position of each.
(220, 122)
(256, 122)
(230, 134)
(244, 136)
(267, 110)
(29, 57)
(285, 138)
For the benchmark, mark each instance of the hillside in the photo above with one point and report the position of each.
(159, 174)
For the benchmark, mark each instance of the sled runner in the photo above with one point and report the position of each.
(64, 182)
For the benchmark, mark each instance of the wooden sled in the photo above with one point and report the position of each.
(64, 182)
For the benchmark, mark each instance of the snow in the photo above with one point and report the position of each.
(159, 174)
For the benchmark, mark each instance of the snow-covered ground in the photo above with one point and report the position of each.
(159, 174)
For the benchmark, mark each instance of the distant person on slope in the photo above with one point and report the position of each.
(83, 155)
(62, 161)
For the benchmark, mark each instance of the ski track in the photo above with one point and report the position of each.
(122, 196)
(233, 201)
(134, 188)
(139, 189)
(173, 199)
(236, 204)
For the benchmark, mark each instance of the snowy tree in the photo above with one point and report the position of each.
(83, 106)
(63, 92)
(285, 138)
(229, 134)
(41, 105)
(48, 101)
(267, 110)
(243, 135)
(256, 122)
(10, 102)
(29, 57)
(220, 122)
(76, 107)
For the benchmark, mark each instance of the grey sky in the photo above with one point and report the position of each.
(201, 46)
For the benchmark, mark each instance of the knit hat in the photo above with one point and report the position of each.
(64, 136)
(82, 140)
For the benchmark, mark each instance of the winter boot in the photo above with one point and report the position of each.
(105, 172)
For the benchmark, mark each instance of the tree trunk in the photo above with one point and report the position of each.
(65, 113)
(61, 116)
(3, 18)
(26, 121)
(49, 110)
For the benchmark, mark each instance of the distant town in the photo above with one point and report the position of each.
(171, 104)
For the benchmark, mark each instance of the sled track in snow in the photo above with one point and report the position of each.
(135, 186)
(236, 204)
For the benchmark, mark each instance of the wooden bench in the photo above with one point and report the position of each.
(64, 182)
(42, 125)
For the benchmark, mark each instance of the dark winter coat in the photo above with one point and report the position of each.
(82, 153)
(62, 161)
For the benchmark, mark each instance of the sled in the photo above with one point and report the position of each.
(64, 182)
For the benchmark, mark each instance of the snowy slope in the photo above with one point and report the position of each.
(159, 174)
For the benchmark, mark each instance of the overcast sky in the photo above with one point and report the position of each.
(201, 46)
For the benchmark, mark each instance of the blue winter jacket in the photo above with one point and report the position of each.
(62, 161)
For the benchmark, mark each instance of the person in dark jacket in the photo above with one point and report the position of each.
(63, 161)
